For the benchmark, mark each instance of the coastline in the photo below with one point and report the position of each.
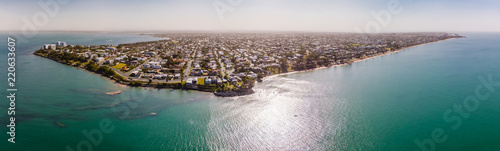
(122, 82)
(125, 84)
(354, 60)
(117, 82)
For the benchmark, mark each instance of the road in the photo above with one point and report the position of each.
(222, 66)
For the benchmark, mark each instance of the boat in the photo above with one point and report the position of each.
(114, 92)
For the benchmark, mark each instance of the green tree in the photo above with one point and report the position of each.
(260, 76)
(284, 65)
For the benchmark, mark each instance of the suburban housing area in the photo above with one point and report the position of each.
(228, 64)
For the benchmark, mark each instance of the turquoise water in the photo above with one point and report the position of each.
(384, 103)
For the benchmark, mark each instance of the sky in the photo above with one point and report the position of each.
(252, 15)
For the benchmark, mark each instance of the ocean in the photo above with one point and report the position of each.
(409, 100)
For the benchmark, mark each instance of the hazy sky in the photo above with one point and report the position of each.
(254, 15)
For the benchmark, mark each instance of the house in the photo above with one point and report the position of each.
(157, 77)
(119, 59)
(110, 62)
(241, 75)
(148, 75)
(135, 62)
(142, 59)
(164, 70)
(135, 74)
(164, 76)
(111, 48)
(189, 83)
(170, 76)
(153, 71)
(99, 59)
(213, 73)
(198, 72)
(177, 75)
(208, 81)
(150, 53)
(156, 66)
(214, 80)
(219, 81)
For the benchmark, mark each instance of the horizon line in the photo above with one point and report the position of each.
(237, 31)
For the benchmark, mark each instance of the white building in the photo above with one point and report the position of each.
(61, 44)
(99, 59)
(109, 62)
(49, 46)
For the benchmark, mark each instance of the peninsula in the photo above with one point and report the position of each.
(228, 64)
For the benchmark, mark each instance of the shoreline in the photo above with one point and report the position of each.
(125, 83)
(354, 60)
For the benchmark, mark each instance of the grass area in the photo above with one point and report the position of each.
(274, 71)
(119, 66)
(201, 81)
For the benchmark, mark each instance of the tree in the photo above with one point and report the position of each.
(284, 65)
(92, 66)
(248, 83)
(259, 76)
(170, 62)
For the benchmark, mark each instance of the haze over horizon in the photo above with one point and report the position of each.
(257, 15)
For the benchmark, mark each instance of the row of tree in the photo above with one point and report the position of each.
(61, 56)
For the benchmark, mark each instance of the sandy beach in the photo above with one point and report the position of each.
(353, 61)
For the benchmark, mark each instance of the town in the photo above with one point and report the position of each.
(228, 64)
